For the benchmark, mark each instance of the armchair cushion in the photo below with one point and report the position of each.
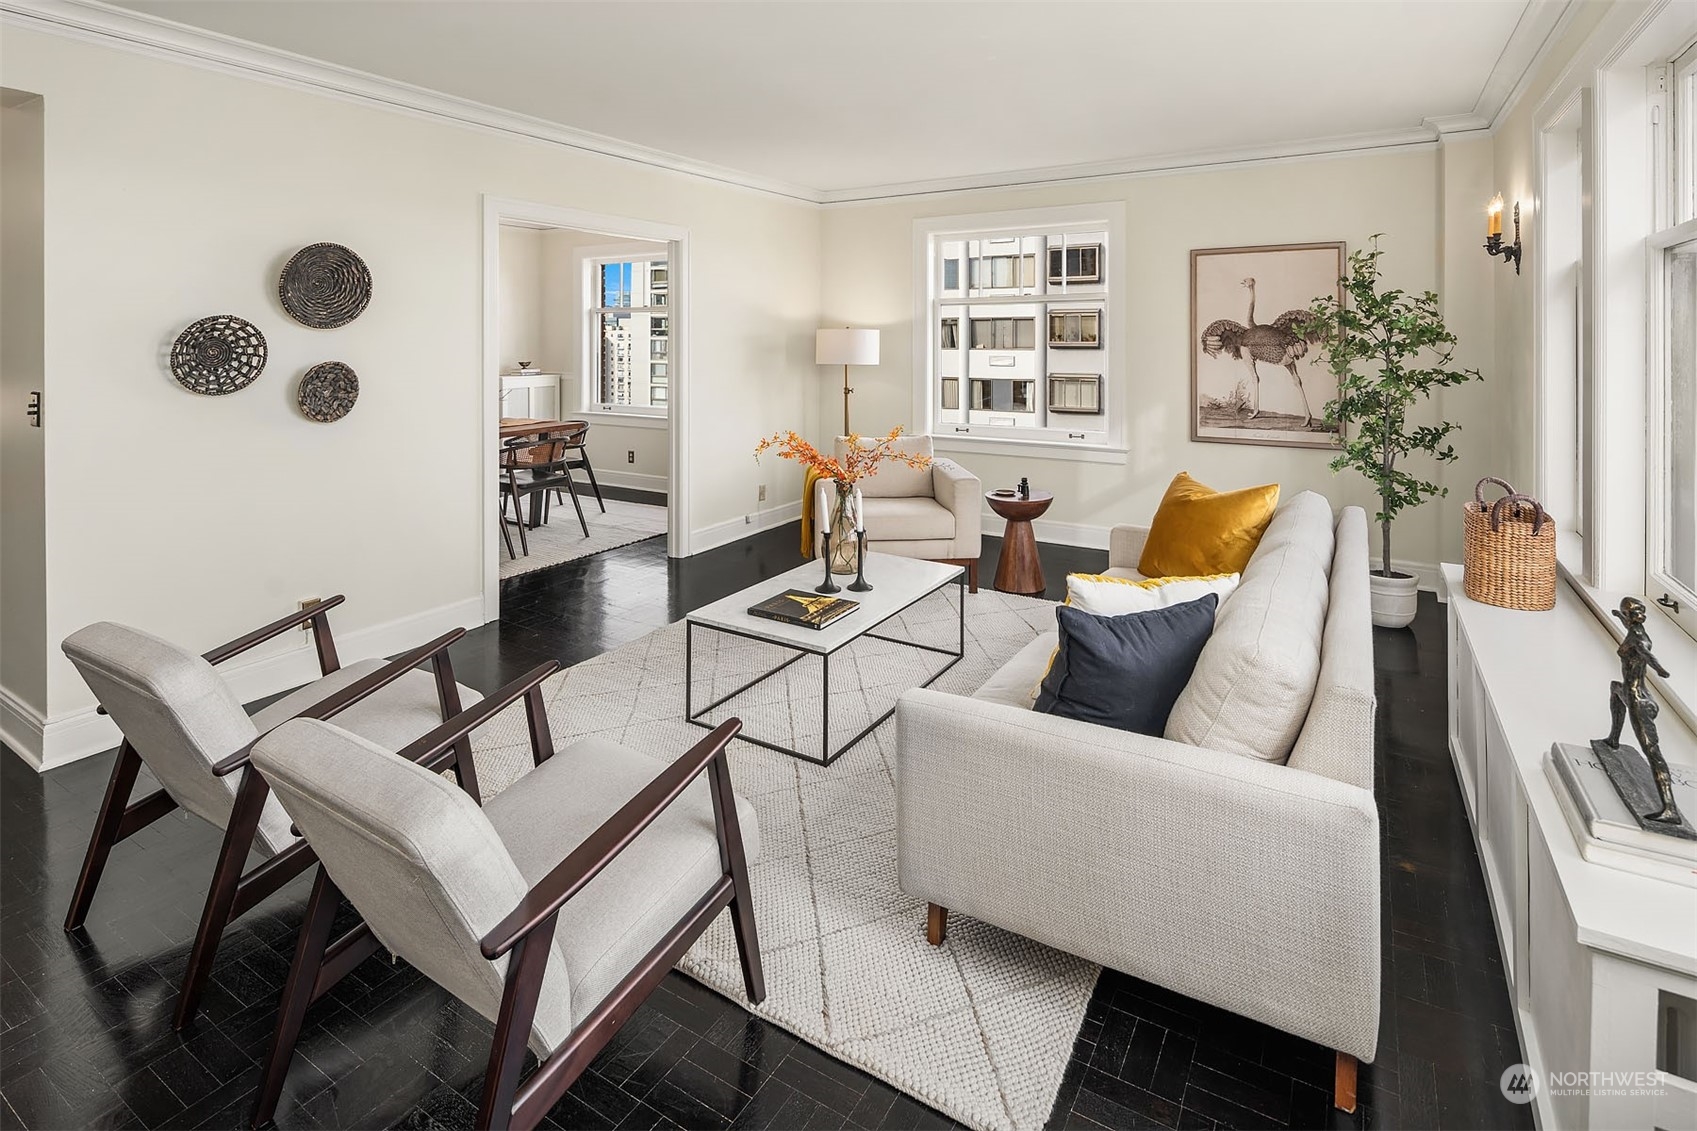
(390, 717)
(895, 479)
(914, 519)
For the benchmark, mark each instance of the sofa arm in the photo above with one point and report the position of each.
(1125, 546)
(959, 490)
(1243, 883)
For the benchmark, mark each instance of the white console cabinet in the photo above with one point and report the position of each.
(1601, 963)
(530, 396)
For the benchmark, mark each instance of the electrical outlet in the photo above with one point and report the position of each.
(763, 492)
(307, 603)
(630, 455)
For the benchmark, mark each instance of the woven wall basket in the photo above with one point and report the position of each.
(328, 391)
(218, 355)
(324, 285)
(1510, 550)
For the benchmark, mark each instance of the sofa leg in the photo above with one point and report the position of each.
(936, 924)
(1343, 1083)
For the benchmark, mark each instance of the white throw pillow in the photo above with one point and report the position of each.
(1107, 596)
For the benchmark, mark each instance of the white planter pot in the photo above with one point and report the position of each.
(1395, 599)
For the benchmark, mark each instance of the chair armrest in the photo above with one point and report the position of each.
(351, 694)
(960, 491)
(429, 750)
(314, 613)
(1125, 546)
(602, 846)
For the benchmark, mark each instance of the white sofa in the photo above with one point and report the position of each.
(934, 512)
(1239, 865)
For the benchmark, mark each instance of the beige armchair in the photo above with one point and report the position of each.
(934, 513)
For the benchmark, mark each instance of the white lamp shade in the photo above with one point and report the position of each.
(846, 347)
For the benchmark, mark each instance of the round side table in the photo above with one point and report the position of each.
(1018, 570)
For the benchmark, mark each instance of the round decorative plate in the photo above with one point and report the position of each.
(328, 391)
(218, 355)
(324, 285)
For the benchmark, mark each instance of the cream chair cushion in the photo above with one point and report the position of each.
(895, 479)
(913, 518)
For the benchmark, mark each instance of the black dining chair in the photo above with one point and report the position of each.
(531, 468)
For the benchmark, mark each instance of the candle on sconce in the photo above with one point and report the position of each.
(1494, 216)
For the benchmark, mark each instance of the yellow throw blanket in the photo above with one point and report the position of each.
(807, 482)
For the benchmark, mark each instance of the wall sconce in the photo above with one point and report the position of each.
(1494, 232)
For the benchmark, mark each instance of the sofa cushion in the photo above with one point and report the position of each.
(1126, 671)
(894, 478)
(1254, 681)
(1016, 682)
(1108, 596)
(907, 519)
(1199, 531)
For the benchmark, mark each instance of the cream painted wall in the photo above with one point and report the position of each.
(520, 301)
(230, 509)
(868, 281)
(23, 518)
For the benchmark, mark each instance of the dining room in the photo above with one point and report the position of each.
(583, 337)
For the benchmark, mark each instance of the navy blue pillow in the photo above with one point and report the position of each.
(1125, 671)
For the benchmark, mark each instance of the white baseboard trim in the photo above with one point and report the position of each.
(83, 732)
(635, 480)
(1091, 536)
(736, 529)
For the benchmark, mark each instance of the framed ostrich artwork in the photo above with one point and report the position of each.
(1255, 375)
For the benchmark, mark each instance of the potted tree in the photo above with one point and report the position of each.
(1388, 350)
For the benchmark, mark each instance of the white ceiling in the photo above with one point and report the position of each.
(838, 96)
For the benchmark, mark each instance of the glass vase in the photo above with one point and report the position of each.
(841, 547)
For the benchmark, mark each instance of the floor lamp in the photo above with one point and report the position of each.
(846, 347)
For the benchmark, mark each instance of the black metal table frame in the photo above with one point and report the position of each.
(827, 756)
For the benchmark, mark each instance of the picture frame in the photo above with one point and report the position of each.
(1075, 329)
(1075, 393)
(1255, 376)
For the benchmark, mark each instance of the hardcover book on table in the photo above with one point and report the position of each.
(798, 606)
(1603, 829)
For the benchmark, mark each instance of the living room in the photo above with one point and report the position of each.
(253, 369)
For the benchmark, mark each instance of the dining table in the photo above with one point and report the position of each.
(514, 427)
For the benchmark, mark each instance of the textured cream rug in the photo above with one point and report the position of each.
(980, 1028)
(561, 539)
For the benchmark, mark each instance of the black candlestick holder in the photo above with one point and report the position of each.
(859, 584)
(829, 586)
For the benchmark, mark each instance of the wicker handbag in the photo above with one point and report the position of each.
(1510, 550)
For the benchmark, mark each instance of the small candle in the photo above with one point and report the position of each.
(1494, 216)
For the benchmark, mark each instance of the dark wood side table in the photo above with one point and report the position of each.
(1019, 570)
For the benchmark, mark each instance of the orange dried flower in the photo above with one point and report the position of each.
(861, 459)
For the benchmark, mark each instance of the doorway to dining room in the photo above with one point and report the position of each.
(585, 318)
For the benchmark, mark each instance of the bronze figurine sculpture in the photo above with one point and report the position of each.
(1650, 801)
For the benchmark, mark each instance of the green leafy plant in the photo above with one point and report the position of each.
(1388, 350)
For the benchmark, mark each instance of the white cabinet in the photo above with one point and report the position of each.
(1599, 961)
(531, 396)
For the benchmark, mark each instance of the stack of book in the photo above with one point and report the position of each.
(1606, 832)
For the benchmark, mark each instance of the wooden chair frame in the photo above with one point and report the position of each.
(232, 891)
(527, 932)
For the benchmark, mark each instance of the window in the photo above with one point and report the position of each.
(1672, 352)
(1031, 292)
(628, 330)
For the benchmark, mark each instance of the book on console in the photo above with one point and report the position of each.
(1603, 829)
(798, 606)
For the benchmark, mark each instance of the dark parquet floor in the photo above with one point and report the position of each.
(86, 1040)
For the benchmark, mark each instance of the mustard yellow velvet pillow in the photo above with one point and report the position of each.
(1199, 531)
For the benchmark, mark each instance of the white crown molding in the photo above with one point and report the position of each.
(1444, 125)
(1538, 30)
(1345, 145)
(95, 22)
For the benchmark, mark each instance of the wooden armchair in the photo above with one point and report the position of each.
(181, 719)
(553, 911)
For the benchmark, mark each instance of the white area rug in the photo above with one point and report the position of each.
(981, 1027)
(561, 539)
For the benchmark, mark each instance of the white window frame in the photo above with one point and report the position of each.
(591, 260)
(1054, 441)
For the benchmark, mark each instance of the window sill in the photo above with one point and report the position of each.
(626, 419)
(1030, 449)
(1676, 650)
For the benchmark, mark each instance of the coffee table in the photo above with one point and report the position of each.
(899, 584)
